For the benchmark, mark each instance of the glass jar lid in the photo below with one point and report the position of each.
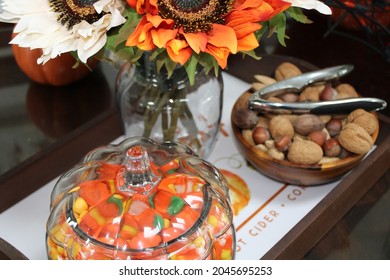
(140, 197)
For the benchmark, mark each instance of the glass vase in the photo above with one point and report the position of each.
(168, 108)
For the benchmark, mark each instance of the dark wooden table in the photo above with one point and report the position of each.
(352, 223)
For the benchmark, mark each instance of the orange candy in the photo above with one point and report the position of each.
(108, 171)
(150, 219)
(112, 207)
(170, 233)
(140, 241)
(109, 231)
(94, 191)
(185, 219)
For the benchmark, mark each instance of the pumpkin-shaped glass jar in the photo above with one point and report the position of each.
(141, 200)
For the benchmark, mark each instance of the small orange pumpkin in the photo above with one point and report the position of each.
(56, 72)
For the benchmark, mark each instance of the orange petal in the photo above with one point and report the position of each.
(220, 54)
(179, 51)
(250, 15)
(223, 36)
(246, 29)
(132, 3)
(158, 21)
(197, 41)
(160, 36)
(144, 7)
(141, 37)
(251, 11)
(248, 43)
(245, 4)
(278, 6)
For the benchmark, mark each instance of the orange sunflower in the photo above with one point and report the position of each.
(219, 28)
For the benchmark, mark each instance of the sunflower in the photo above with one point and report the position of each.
(218, 28)
(60, 26)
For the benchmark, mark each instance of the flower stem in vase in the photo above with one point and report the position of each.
(164, 121)
(178, 98)
(188, 121)
(150, 120)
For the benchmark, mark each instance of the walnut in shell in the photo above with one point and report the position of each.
(355, 139)
(364, 119)
(304, 152)
(280, 126)
(286, 70)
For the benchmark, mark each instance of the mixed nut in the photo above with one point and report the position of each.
(305, 138)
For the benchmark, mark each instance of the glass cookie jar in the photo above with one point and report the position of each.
(141, 200)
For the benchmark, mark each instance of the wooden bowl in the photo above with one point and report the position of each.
(289, 172)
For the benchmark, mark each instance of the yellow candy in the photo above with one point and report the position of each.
(199, 242)
(80, 206)
(226, 254)
(167, 223)
(212, 220)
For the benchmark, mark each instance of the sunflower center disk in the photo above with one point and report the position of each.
(72, 12)
(194, 15)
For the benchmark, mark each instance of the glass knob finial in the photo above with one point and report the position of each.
(137, 176)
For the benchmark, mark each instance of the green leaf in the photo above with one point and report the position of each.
(252, 54)
(190, 67)
(298, 15)
(170, 65)
(278, 24)
(117, 37)
(175, 205)
(259, 34)
(209, 62)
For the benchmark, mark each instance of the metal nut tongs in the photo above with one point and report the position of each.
(257, 101)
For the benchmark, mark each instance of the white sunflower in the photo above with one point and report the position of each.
(311, 4)
(60, 26)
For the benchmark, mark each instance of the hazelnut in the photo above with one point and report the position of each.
(245, 118)
(283, 143)
(307, 123)
(365, 119)
(328, 93)
(355, 139)
(344, 153)
(332, 148)
(260, 135)
(318, 137)
(334, 127)
(286, 70)
(304, 152)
